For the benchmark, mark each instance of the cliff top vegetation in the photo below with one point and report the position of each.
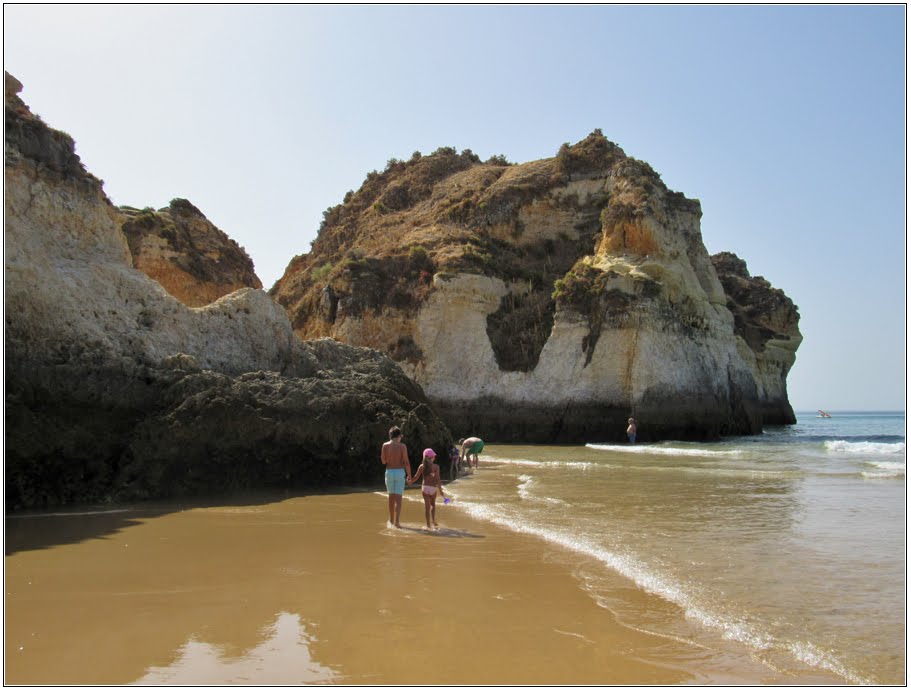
(451, 212)
(447, 202)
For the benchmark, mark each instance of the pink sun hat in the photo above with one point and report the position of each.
(429, 453)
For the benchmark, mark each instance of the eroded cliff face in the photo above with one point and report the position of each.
(186, 253)
(765, 323)
(115, 390)
(547, 301)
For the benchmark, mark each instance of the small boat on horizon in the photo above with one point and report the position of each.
(823, 413)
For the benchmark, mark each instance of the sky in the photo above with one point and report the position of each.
(787, 122)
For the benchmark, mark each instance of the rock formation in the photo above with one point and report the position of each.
(181, 249)
(765, 322)
(547, 301)
(115, 390)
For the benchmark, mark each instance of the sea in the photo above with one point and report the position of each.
(788, 546)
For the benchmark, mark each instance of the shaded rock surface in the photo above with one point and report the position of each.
(115, 390)
(546, 301)
(186, 253)
(766, 320)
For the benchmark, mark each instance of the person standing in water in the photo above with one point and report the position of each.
(471, 447)
(432, 482)
(398, 470)
(631, 431)
(453, 462)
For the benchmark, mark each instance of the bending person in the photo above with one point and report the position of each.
(471, 447)
(398, 471)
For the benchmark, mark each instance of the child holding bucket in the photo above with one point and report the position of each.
(431, 483)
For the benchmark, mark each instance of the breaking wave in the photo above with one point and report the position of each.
(865, 447)
(663, 450)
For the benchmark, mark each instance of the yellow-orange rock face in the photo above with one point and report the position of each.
(188, 255)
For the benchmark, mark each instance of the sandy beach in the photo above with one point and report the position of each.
(312, 589)
(743, 563)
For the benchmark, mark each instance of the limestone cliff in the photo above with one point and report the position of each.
(115, 390)
(546, 301)
(765, 322)
(186, 253)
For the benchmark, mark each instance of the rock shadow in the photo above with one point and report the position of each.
(40, 529)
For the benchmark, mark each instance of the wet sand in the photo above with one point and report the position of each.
(314, 589)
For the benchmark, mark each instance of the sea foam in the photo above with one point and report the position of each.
(889, 465)
(663, 450)
(865, 447)
(653, 582)
(884, 469)
(524, 489)
(578, 465)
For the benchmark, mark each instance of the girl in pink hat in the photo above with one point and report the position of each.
(429, 472)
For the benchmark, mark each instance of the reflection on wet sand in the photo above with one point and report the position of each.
(282, 657)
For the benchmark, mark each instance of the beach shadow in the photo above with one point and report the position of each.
(40, 529)
(453, 532)
(442, 532)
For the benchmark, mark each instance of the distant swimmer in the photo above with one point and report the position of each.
(471, 447)
(631, 431)
(398, 471)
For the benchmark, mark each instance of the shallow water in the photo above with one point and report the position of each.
(788, 547)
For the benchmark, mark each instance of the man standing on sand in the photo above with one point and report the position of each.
(471, 447)
(398, 471)
(631, 431)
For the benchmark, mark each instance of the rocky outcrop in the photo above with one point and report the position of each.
(765, 322)
(116, 390)
(186, 253)
(547, 301)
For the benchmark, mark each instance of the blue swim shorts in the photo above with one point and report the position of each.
(395, 481)
(632, 438)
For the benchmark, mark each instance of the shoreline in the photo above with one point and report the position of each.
(320, 589)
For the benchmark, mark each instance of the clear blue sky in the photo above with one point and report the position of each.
(787, 122)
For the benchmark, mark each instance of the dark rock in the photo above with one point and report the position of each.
(96, 427)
